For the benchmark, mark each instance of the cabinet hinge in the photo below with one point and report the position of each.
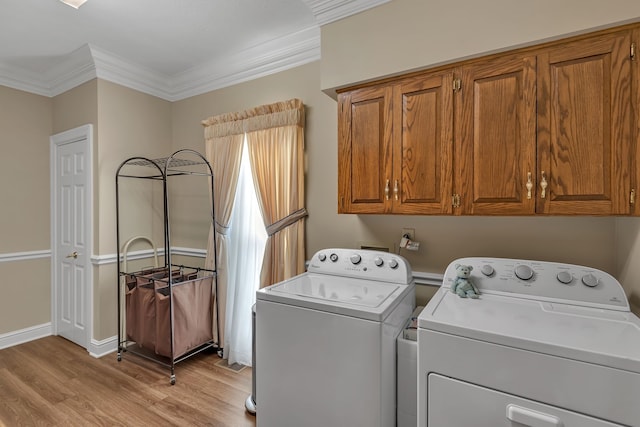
(632, 197)
(457, 85)
(455, 200)
(632, 54)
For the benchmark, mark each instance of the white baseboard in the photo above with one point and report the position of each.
(98, 349)
(25, 335)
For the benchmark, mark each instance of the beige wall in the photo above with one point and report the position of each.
(628, 258)
(404, 35)
(131, 124)
(25, 120)
(26, 294)
(76, 107)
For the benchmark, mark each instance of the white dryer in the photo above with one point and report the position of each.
(326, 341)
(546, 344)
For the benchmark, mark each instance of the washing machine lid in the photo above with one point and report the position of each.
(605, 337)
(366, 299)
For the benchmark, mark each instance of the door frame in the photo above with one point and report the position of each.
(84, 135)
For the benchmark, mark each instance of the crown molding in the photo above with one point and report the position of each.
(327, 11)
(115, 69)
(72, 70)
(23, 79)
(89, 62)
(268, 58)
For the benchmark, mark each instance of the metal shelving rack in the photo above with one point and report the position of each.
(181, 163)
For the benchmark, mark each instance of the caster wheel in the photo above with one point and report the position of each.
(173, 379)
(119, 357)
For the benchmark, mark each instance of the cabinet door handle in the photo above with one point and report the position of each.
(529, 417)
(395, 189)
(529, 185)
(386, 191)
(543, 185)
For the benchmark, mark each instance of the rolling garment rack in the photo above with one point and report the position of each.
(165, 313)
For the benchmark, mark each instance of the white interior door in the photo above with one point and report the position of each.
(71, 234)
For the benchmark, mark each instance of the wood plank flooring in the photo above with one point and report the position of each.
(53, 382)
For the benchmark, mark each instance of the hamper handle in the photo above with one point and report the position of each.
(128, 243)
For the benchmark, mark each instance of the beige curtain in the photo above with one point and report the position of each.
(275, 136)
(275, 141)
(223, 148)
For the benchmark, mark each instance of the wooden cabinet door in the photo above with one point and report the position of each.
(584, 126)
(423, 144)
(364, 150)
(635, 122)
(496, 137)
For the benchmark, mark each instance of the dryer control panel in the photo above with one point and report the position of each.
(543, 281)
(362, 264)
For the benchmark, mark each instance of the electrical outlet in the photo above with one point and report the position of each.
(409, 232)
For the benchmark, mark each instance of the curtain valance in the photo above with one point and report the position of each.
(285, 113)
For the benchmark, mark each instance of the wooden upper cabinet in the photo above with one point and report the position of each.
(496, 137)
(553, 129)
(423, 144)
(584, 126)
(395, 147)
(635, 122)
(364, 151)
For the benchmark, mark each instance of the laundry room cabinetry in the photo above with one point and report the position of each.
(635, 120)
(584, 126)
(542, 130)
(495, 137)
(396, 145)
(364, 150)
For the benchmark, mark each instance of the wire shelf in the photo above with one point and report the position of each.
(162, 162)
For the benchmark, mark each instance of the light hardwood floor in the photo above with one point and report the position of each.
(53, 382)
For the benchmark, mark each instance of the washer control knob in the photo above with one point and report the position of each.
(322, 257)
(378, 261)
(523, 272)
(564, 277)
(590, 280)
(393, 263)
(355, 259)
(333, 257)
(487, 270)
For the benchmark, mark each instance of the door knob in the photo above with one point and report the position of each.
(74, 254)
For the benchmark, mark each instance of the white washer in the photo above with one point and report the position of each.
(546, 344)
(326, 341)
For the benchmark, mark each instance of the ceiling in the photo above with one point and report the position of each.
(172, 49)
